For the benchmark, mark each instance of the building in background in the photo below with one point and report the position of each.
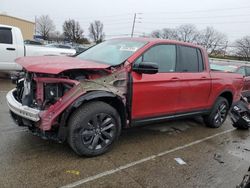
(27, 27)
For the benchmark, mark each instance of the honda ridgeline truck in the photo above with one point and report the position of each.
(86, 100)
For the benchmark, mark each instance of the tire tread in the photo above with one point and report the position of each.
(79, 115)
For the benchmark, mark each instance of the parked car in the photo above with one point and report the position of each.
(32, 42)
(235, 67)
(12, 47)
(86, 100)
(64, 46)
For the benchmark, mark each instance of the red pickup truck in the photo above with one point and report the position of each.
(86, 100)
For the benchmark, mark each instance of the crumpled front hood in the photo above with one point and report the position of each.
(57, 64)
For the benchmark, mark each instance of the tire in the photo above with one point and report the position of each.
(218, 113)
(93, 128)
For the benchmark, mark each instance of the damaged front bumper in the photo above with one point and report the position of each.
(23, 111)
(35, 113)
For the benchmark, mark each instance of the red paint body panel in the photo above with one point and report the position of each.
(226, 82)
(179, 92)
(56, 64)
(195, 91)
(237, 65)
(152, 94)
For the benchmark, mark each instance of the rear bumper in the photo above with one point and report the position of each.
(21, 110)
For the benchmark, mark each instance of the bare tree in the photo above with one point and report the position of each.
(243, 47)
(156, 34)
(56, 36)
(213, 41)
(45, 26)
(72, 30)
(168, 33)
(96, 31)
(187, 33)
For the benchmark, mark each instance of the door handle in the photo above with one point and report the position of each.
(11, 49)
(203, 77)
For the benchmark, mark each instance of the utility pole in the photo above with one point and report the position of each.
(133, 27)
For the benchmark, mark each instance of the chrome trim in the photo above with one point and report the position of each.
(21, 110)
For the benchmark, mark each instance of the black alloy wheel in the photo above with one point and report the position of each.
(93, 128)
(218, 114)
(99, 132)
(221, 114)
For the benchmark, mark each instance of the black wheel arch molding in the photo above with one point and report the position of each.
(227, 94)
(105, 96)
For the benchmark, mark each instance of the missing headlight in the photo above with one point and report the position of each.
(52, 92)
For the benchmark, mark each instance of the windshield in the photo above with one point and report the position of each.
(112, 52)
(224, 68)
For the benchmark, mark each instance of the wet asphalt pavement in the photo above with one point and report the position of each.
(143, 157)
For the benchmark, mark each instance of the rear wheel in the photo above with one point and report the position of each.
(218, 113)
(94, 128)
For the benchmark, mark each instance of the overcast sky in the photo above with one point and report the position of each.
(231, 17)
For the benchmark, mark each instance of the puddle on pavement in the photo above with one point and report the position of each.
(6, 85)
(240, 150)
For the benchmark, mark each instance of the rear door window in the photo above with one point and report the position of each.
(247, 71)
(241, 71)
(5, 36)
(190, 60)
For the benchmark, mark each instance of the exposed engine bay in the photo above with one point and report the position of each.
(49, 95)
(39, 93)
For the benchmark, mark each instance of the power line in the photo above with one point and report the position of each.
(168, 18)
(111, 35)
(195, 11)
(116, 23)
(98, 17)
(121, 22)
(90, 20)
(223, 16)
(103, 21)
(208, 23)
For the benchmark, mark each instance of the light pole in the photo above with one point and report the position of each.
(133, 27)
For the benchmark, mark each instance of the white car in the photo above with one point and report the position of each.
(12, 47)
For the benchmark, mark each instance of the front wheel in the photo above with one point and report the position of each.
(93, 128)
(218, 113)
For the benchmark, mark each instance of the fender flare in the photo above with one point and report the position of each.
(91, 95)
(224, 91)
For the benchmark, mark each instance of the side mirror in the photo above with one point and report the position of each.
(146, 68)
